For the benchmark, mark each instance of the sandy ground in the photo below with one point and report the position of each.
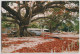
(31, 42)
(65, 35)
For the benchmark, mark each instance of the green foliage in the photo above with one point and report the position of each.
(69, 26)
(6, 24)
(66, 27)
(57, 9)
(76, 25)
(78, 43)
(33, 25)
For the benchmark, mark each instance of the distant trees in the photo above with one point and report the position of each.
(60, 20)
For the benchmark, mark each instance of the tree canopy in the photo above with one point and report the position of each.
(24, 12)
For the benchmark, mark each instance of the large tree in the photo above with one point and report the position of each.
(32, 8)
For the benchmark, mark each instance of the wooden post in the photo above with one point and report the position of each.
(69, 47)
(77, 43)
(72, 45)
(51, 50)
(62, 48)
(66, 50)
(54, 49)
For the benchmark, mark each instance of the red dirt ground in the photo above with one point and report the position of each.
(55, 46)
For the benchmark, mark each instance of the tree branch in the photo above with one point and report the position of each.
(54, 2)
(11, 11)
(72, 10)
(19, 9)
(38, 18)
(27, 9)
(9, 15)
(9, 20)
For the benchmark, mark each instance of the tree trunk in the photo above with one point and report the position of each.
(50, 28)
(21, 31)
